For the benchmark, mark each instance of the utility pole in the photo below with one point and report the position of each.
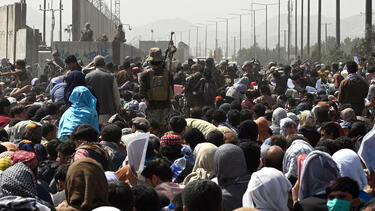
(308, 28)
(319, 29)
(234, 48)
(289, 30)
(44, 22)
(301, 29)
(255, 37)
(226, 45)
(205, 43)
(338, 23)
(61, 8)
(227, 34)
(240, 16)
(240, 33)
(368, 19)
(50, 9)
(196, 46)
(266, 8)
(296, 31)
(285, 38)
(266, 32)
(189, 42)
(278, 31)
(326, 37)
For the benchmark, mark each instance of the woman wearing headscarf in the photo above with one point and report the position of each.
(19, 189)
(231, 175)
(277, 115)
(263, 129)
(248, 130)
(74, 79)
(306, 127)
(288, 127)
(290, 162)
(82, 111)
(318, 170)
(267, 191)
(204, 167)
(350, 165)
(86, 186)
(238, 90)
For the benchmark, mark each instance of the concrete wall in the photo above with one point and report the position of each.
(27, 45)
(12, 18)
(182, 53)
(86, 51)
(84, 12)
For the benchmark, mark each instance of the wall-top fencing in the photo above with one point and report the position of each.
(12, 18)
(85, 12)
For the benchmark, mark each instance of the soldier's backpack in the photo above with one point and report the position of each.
(159, 86)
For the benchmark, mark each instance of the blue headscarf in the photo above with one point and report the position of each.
(82, 111)
(74, 79)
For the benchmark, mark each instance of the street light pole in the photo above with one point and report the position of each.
(60, 37)
(319, 29)
(205, 43)
(308, 28)
(338, 23)
(196, 46)
(44, 22)
(266, 8)
(278, 29)
(227, 34)
(301, 29)
(296, 30)
(289, 30)
(226, 47)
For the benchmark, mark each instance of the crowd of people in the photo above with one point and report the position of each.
(203, 136)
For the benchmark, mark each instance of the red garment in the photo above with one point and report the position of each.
(248, 103)
(4, 121)
(342, 133)
(27, 158)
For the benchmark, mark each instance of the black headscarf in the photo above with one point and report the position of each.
(194, 137)
(74, 79)
(248, 130)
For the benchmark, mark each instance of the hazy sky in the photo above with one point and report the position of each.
(141, 12)
(138, 13)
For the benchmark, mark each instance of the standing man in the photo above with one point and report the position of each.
(353, 89)
(87, 33)
(105, 89)
(156, 86)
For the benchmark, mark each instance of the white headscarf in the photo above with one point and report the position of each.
(267, 190)
(277, 115)
(366, 150)
(290, 162)
(283, 122)
(318, 170)
(350, 166)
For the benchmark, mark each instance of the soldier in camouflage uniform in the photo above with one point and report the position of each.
(87, 33)
(156, 86)
(120, 34)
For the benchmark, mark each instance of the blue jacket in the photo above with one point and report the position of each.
(82, 111)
